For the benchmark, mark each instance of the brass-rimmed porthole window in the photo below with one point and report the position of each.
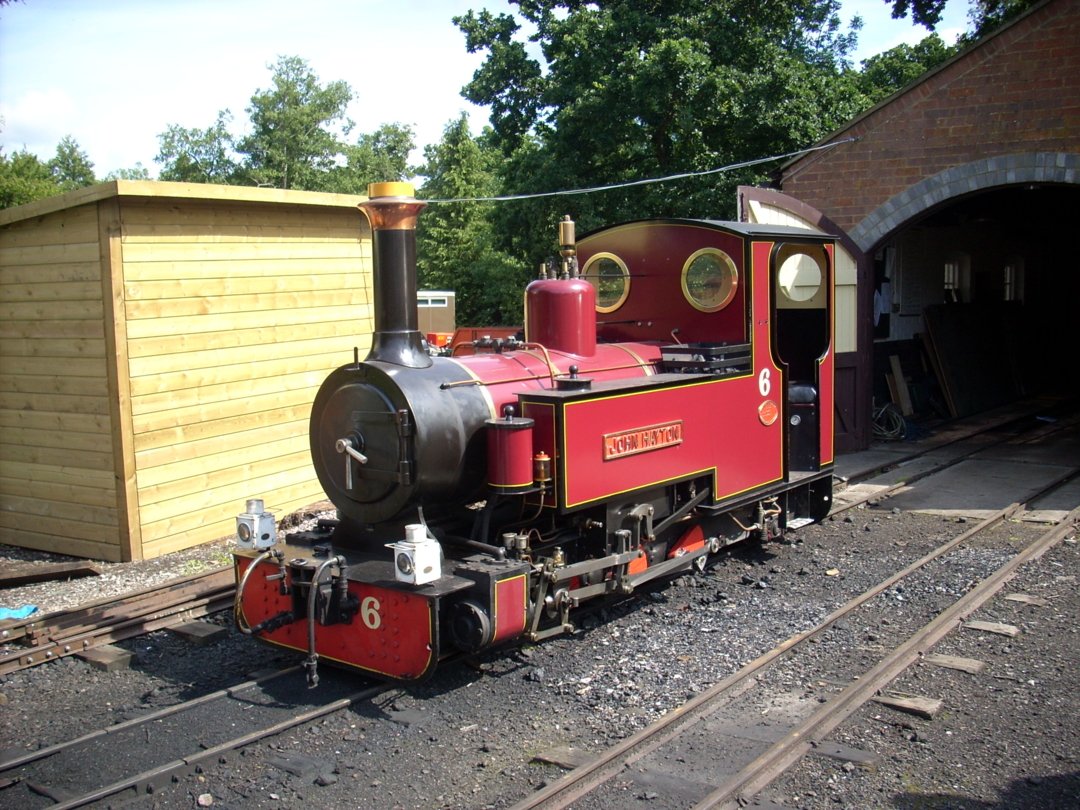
(608, 274)
(709, 279)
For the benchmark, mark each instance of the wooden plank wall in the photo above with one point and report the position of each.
(57, 483)
(235, 313)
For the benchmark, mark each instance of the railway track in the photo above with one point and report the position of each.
(682, 757)
(71, 632)
(959, 446)
(202, 732)
(118, 761)
(1027, 424)
(798, 742)
(68, 781)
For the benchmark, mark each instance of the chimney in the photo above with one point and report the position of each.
(392, 210)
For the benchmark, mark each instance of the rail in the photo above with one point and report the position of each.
(70, 632)
(742, 786)
(35, 771)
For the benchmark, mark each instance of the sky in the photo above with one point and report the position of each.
(114, 74)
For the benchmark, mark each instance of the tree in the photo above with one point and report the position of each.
(984, 15)
(891, 70)
(382, 155)
(71, 167)
(136, 172)
(24, 178)
(455, 241)
(631, 89)
(198, 155)
(926, 13)
(297, 128)
(294, 142)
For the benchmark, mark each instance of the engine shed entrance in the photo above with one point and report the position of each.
(951, 201)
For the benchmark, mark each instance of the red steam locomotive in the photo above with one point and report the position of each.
(672, 394)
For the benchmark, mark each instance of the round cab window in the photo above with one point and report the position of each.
(799, 277)
(709, 280)
(608, 274)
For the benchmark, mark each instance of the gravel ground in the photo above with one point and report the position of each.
(117, 579)
(1008, 737)
(466, 739)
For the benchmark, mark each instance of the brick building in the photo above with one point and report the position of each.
(954, 202)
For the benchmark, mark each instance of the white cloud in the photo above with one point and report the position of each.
(880, 31)
(37, 119)
(116, 73)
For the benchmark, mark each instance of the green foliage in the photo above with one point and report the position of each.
(24, 178)
(988, 15)
(71, 167)
(891, 70)
(455, 240)
(630, 89)
(510, 81)
(198, 155)
(136, 172)
(926, 13)
(984, 15)
(297, 127)
(382, 155)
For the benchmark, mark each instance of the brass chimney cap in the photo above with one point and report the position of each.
(393, 188)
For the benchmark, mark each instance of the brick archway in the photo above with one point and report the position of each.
(958, 181)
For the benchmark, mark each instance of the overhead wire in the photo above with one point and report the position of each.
(647, 181)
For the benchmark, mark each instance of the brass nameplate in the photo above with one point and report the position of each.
(642, 440)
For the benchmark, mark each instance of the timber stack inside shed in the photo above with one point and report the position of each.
(160, 347)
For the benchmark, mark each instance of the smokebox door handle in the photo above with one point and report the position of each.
(348, 447)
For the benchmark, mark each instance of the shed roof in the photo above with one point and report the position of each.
(165, 190)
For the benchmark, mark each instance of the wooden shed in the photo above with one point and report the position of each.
(160, 347)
